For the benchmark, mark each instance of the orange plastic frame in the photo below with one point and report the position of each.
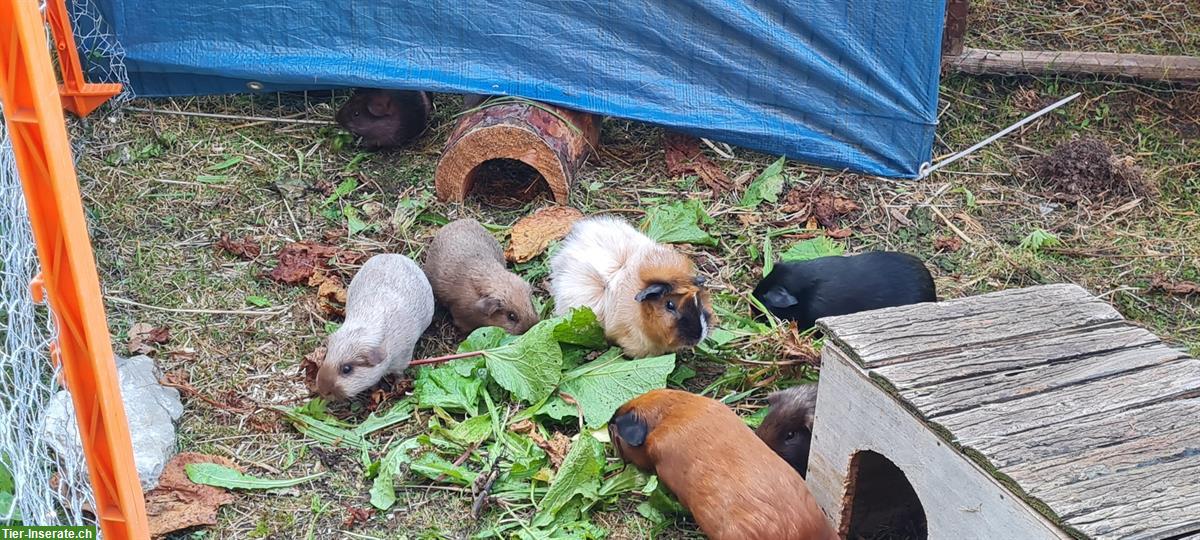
(34, 114)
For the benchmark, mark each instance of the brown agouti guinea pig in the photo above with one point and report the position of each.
(465, 265)
(647, 296)
(734, 485)
(787, 429)
(386, 118)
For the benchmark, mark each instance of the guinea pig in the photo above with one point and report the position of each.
(787, 429)
(386, 117)
(465, 265)
(806, 291)
(389, 305)
(470, 101)
(733, 484)
(647, 296)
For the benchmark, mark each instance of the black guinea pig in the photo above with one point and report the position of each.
(386, 118)
(787, 429)
(808, 290)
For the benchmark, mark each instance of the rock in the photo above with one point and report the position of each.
(151, 409)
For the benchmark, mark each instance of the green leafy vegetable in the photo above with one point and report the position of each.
(225, 164)
(766, 187)
(260, 301)
(757, 418)
(348, 185)
(472, 430)
(488, 337)
(434, 466)
(446, 387)
(325, 432)
(212, 474)
(354, 224)
(577, 479)
(679, 223)
(529, 367)
(580, 327)
(606, 383)
(661, 507)
(383, 491)
(1039, 239)
(813, 248)
(399, 412)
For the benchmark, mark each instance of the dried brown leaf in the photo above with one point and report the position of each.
(356, 516)
(298, 261)
(331, 293)
(178, 503)
(143, 337)
(818, 205)
(533, 233)
(947, 243)
(683, 156)
(309, 366)
(247, 248)
(1159, 282)
(556, 446)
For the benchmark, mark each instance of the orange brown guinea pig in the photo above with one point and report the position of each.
(734, 485)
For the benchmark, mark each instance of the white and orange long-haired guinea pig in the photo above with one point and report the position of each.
(647, 296)
(389, 304)
(734, 485)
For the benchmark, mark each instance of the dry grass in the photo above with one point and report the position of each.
(156, 213)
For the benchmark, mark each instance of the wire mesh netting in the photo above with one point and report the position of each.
(38, 485)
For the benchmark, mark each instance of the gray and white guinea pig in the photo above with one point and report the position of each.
(389, 305)
(385, 118)
(787, 429)
(647, 296)
(465, 266)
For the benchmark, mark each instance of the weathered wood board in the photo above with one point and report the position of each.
(1085, 417)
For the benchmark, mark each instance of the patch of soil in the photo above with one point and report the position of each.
(1085, 168)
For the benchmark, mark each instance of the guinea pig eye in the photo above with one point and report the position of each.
(512, 317)
(671, 305)
(790, 435)
(346, 369)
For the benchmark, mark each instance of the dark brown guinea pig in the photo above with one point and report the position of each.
(787, 429)
(734, 485)
(386, 117)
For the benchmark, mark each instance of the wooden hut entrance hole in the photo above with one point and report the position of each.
(502, 180)
(881, 502)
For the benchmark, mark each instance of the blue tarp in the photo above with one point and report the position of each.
(842, 83)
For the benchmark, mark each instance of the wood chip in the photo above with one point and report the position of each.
(534, 233)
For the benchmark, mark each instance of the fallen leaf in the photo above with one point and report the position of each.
(819, 205)
(247, 248)
(178, 503)
(947, 243)
(1159, 282)
(839, 233)
(182, 354)
(331, 293)
(749, 220)
(683, 156)
(143, 337)
(298, 261)
(356, 516)
(533, 233)
(556, 446)
(309, 366)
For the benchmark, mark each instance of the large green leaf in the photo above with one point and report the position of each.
(487, 337)
(444, 386)
(603, 385)
(766, 187)
(679, 223)
(813, 248)
(530, 365)
(581, 327)
(212, 474)
(383, 491)
(578, 477)
(399, 412)
(433, 466)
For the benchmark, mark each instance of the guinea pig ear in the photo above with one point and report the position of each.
(373, 357)
(379, 104)
(489, 305)
(652, 292)
(778, 297)
(631, 429)
(699, 280)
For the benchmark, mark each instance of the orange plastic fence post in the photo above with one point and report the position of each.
(78, 96)
(36, 126)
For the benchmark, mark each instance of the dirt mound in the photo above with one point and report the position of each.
(1085, 168)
